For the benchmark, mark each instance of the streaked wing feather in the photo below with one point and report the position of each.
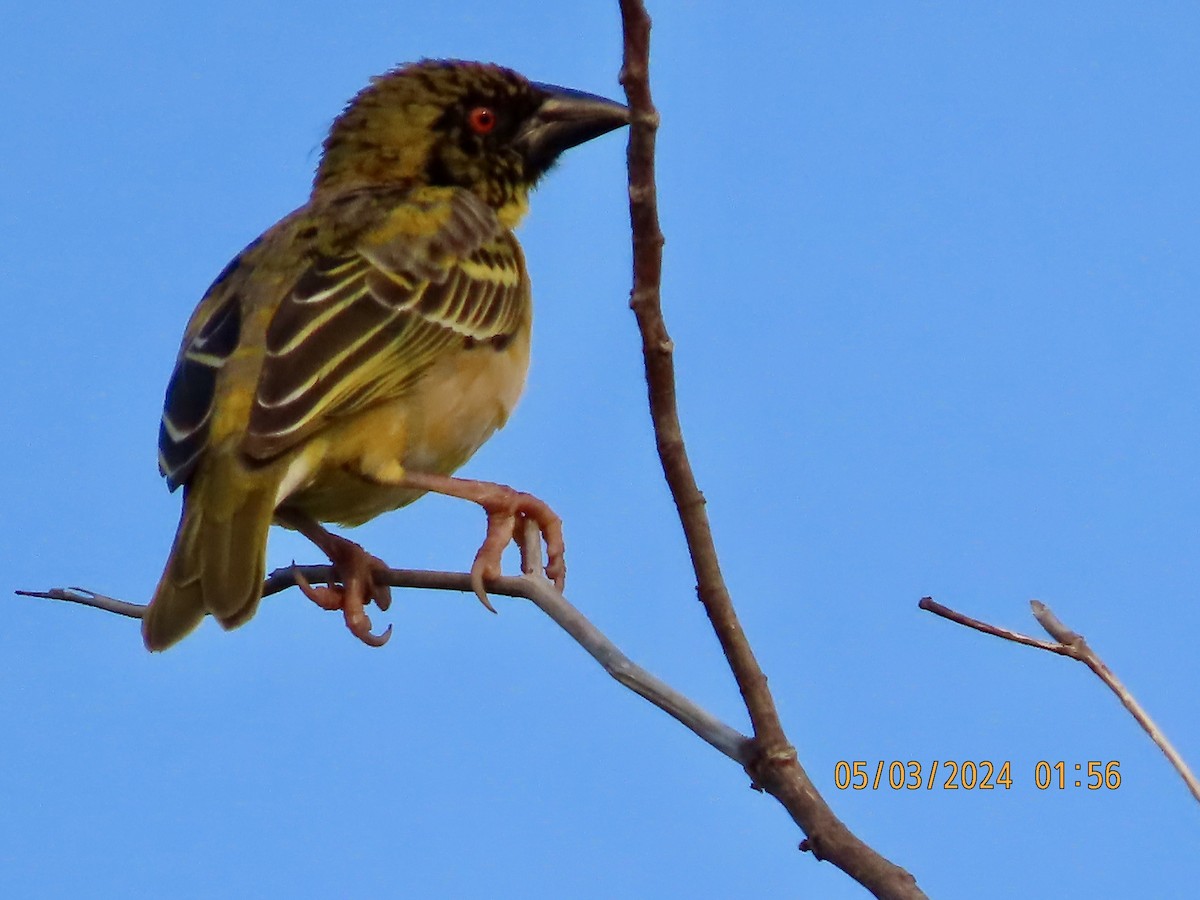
(361, 329)
(188, 406)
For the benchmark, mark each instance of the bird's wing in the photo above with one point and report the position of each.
(210, 339)
(358, 328)
(439, 274)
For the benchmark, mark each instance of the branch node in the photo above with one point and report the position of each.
(812, 844)
(641, 300)
(647, 118)
(1054, 626)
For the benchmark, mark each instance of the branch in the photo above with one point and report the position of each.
(1069, 643)
(774, 767)
(658, 352)
(531, 586)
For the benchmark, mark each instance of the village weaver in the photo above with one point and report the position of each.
(364, 347)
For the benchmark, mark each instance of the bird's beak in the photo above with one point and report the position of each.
(566, 119)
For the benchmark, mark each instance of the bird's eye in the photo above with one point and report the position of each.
(481, 119)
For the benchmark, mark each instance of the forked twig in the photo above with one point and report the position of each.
(1070, 643)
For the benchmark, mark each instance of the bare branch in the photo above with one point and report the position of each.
(1070, 643)
(84, 597)
(930, 605)
(658, 351)
(534, 587)
(775, 767)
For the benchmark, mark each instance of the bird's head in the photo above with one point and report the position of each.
(460, 124)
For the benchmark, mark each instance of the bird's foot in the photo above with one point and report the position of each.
(359, 581)
(506, 507)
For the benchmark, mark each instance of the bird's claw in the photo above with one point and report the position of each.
(351, 597)
(503, 513)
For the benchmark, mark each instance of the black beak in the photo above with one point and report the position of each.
(565, 119)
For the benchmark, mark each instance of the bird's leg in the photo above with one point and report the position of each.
(504, 506)
(355, 568)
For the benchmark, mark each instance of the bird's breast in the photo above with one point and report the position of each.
(461, 402)
(350, 472)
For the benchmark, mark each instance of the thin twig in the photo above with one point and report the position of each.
(1070, 643)
(84, 597)
(534, 587)
(930, 605)
(775, 767)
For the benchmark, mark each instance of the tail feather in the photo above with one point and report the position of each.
(217, 562)
(235, 565)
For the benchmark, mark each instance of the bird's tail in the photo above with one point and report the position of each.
(218, 560)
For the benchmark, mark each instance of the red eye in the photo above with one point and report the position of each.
(481, 119)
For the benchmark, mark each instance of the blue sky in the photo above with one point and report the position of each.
(931, 270)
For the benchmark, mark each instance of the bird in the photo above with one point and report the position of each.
(356, 354)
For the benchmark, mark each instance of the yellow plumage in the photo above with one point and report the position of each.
(364, 347)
